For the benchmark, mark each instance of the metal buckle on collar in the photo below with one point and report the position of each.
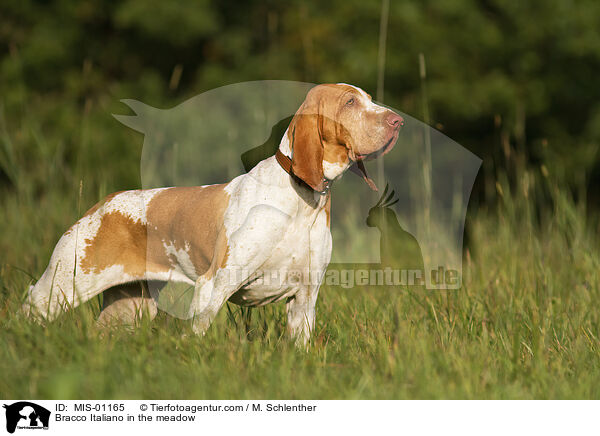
(327, 183)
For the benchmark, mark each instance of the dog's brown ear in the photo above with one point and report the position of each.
(307, 150)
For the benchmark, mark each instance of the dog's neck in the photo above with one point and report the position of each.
(283, 163)
(331, 171)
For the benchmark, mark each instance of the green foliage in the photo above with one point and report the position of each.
(177, 23)
(530, 66)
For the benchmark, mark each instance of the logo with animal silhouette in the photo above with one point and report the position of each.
(398, 248)
(223, 132)
(26, 415)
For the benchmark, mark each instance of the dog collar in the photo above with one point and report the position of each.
(286, 163)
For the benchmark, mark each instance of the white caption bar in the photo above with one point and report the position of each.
(23, 417)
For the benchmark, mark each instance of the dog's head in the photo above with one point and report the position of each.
(336, 126)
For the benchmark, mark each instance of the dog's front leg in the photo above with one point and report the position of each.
(301, 307)
(209, 296)
(301, 315)
(247, 249)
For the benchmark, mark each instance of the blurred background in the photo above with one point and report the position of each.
(507, 80)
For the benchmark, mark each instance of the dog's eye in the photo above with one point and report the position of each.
(350, 102)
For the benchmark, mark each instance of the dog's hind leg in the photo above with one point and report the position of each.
(126, 305)
(56, 290)
(66, 283)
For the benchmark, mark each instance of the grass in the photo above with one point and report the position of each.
(524, 325)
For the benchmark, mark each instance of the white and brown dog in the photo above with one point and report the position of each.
(222, 238)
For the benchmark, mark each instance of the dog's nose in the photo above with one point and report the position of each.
(395, 120)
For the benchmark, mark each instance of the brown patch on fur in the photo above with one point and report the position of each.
(190, 219)
(93, 210)
(328, 208)
(122, 241)
(336, 154)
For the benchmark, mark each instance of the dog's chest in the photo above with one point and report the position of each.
(293, 252)
(294, 263)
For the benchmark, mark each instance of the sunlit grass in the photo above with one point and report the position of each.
(524, 325)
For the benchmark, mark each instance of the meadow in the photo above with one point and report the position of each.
(525, 323)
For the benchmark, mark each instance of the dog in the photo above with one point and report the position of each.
(223, 239)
